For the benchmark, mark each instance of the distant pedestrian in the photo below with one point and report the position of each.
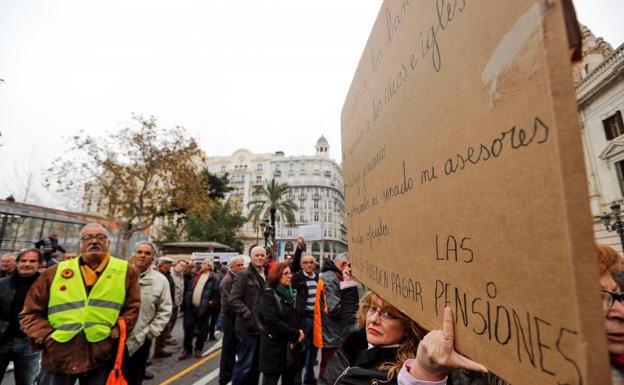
(71, 312)
(7, 264)
(48, 246)
(155, 312)
(245, 299)
(229, 341)
(200, 298)
(217, 267)
(14, 345)
(281, 348)
(164, 267)
(177, 274)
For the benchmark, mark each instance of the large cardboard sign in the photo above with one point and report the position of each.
(465, 184)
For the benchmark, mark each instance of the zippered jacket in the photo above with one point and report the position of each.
(355, 364)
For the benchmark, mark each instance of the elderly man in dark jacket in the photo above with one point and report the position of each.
(245, 299)
(229, 342)
(14, 345)
(200, 299)
(304, 282)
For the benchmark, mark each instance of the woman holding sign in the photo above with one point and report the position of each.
(383, 347)
(612, 297)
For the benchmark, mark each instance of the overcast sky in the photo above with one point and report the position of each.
(261, 75)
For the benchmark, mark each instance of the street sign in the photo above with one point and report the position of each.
(465, 184)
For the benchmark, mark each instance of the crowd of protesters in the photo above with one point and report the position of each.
(287, 322)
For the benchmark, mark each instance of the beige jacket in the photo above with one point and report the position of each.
(178, 280)
(155, 309)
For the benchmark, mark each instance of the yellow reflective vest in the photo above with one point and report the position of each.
(70, 310)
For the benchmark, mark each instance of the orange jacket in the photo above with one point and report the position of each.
(317, 335)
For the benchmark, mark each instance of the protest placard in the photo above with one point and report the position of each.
(465, 185)
(310, 232)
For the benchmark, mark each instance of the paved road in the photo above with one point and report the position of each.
(192, 371)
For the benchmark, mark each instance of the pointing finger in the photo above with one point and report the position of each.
(459, 361)
(447, 325)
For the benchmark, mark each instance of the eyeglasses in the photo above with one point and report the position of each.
(609, 298)
(89, 238)
(307, 263)
(384, 313)
(286, 272)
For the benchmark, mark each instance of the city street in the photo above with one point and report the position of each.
(192, 371)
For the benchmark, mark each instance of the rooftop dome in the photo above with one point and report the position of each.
(322, 141)
(322, 146)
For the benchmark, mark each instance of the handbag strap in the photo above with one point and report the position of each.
(122, 343)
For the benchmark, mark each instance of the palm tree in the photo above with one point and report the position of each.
(270, 202)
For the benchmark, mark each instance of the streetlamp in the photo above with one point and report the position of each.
(618, 224)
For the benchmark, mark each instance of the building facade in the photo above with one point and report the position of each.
(316, 188)
(600, 94)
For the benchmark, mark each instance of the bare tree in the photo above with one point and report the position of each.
(135, 175)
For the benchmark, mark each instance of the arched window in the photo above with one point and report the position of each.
(316, 248)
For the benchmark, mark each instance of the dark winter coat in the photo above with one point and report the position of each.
(7, 288)
(332, 320)
(13, 288)
(282, 322)
(224, 288)
(245, 298)
(299, 279)
(355, 364)
(209, 298)
(295, 264)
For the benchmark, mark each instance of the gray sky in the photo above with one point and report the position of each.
(262, 75)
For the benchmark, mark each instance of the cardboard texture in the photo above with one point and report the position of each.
(465, 185)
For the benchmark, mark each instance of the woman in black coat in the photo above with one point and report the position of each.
(282, 318)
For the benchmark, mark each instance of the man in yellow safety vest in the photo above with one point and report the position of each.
(72, 309)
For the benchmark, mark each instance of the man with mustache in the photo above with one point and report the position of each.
(71, 312)
(14, 345)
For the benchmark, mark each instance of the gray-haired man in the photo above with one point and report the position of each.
(7, 264)
(154, 315)
(164, 267)
(229, 342)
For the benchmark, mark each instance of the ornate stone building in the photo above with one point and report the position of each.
(316, 188)
(599, 80)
